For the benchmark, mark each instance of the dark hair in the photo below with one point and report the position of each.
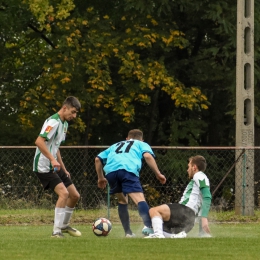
(72, 102)
(135, 134)
(199, 161)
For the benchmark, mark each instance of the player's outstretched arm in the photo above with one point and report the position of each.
(102, 181)
(153, 165)
(206, 202)
(205, 225)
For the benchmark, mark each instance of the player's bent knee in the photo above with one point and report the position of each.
(152, 212)
(63, 196)
(75, 196)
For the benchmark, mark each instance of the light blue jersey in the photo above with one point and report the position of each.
(126, 155)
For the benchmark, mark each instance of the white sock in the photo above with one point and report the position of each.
(157, 225)
(67, 217)
(58, 219)
(167, 235)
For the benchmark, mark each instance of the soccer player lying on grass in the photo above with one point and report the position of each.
(175, 220)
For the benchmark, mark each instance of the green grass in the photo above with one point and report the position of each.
(25, 235)
(229, 241)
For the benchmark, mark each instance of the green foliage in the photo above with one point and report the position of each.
(162, 66)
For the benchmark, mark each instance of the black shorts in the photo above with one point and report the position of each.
(182, 219)
(50, 180)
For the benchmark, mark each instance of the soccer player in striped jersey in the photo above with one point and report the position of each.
(122, 163)
(175, 220)
(50, 169)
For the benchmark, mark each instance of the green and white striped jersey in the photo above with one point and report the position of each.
(197, 194)
(54, 131)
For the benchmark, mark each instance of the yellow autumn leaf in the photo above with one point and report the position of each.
(154, 22)
(175, 33)
(127, 114)
(203, 106)
(203, 97)
(141, 44)
(65, 80)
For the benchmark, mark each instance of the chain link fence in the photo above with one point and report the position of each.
(233, 173)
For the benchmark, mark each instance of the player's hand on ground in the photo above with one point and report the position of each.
(161, 178)
(205, 225)
(102, 183)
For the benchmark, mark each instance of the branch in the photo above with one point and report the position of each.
(42, 35)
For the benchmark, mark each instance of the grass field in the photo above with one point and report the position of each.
(23, 240)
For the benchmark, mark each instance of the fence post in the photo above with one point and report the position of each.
(244, 185)
(108, 202)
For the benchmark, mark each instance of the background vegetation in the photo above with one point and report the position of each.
(167, 67)
(36, 217)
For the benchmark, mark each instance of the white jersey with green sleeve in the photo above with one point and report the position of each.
(197, 194)
(54, 131)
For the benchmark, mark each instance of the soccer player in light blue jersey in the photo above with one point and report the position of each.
(175, 220)
(50, 169)
(122, 163)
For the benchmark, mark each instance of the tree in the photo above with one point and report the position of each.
(162, 66)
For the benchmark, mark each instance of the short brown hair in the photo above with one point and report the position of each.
(199, 161)
(135, 134)
(72, 102)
